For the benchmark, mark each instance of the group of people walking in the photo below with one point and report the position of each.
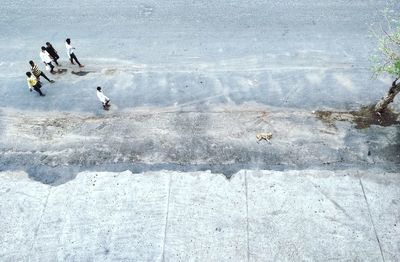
(48, 55)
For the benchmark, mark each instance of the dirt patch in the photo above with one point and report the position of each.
(110, 71)
(363, 118)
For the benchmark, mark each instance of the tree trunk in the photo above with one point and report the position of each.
(382, 105)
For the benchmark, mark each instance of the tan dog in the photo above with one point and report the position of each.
(265, 136)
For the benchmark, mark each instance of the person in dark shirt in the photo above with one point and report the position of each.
(52, 52)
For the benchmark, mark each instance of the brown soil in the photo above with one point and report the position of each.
(363, 118)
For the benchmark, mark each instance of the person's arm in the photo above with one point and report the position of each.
(29, 85)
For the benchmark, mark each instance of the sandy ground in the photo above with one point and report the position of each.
(52, 148)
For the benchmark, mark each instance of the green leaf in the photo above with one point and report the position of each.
(397, 67)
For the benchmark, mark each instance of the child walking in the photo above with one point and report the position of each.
(38, 73)
(52, 52)
(46, 59)
(33, 83)
(103, 99)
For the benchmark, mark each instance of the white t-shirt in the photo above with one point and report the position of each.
(102, 97)
(45, 57)
(70, 49)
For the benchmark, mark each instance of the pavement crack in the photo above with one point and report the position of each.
(247, 216)
(372, 220)
(38, 225)
(166, 218)
(336, 204)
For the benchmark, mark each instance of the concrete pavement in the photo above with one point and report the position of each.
(309, 215)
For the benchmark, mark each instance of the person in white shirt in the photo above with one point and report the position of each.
(70, 52)
(46, 59)
(104, 99)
